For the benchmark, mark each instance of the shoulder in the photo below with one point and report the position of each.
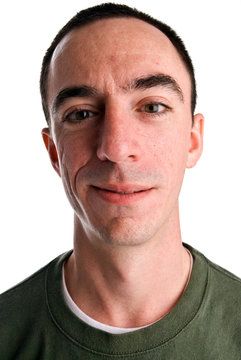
(218, 318)
(222, 297)
(217, 275)
(220, 277)
(24, 306)
(224, 283)
(22, 293)
(216, 272)
(32, 285)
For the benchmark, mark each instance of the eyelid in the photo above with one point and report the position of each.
(75, 108)
(155, 103)
(154, 100)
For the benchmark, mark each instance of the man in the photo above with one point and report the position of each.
(118, 93)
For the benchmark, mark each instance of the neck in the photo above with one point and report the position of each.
(112, 284)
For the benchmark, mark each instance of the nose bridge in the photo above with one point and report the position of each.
(116, 141)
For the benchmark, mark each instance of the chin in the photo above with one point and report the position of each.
(124, 232)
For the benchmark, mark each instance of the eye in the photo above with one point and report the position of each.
(79, 115)
(153, 108)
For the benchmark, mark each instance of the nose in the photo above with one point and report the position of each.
(117, 141)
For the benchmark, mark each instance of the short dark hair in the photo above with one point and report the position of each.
(105, 11)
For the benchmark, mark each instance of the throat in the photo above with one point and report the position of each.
(115, 302)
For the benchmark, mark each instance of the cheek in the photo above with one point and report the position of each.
(75, 151)
(169, 150)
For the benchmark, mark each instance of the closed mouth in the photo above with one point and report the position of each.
(121, 192)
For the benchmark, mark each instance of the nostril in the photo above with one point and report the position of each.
(115, 151)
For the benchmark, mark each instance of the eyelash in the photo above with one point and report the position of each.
(67, 116)
(93, 114)
(158, 113)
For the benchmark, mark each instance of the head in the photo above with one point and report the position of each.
(118, 95)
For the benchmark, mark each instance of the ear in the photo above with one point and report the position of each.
(196, 141)
(51, 148)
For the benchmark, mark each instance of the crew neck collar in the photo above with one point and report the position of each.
(138, 341)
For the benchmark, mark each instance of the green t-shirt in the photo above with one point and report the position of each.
(35, 322)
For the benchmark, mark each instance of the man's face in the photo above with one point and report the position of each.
(121, 128)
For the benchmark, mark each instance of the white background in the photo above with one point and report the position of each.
(36, 219)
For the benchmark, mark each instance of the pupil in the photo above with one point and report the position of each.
(152, 108)
(80, 115)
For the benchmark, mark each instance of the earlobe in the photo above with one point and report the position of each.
(51, 148)
(196, 140)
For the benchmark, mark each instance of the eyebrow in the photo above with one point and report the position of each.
(150, 81)
(141, 83)
(71, 92)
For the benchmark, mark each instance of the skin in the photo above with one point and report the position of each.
(122, 168)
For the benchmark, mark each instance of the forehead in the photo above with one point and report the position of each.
(108, 53)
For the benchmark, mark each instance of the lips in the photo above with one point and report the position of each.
(122, 189)
(121, 194)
